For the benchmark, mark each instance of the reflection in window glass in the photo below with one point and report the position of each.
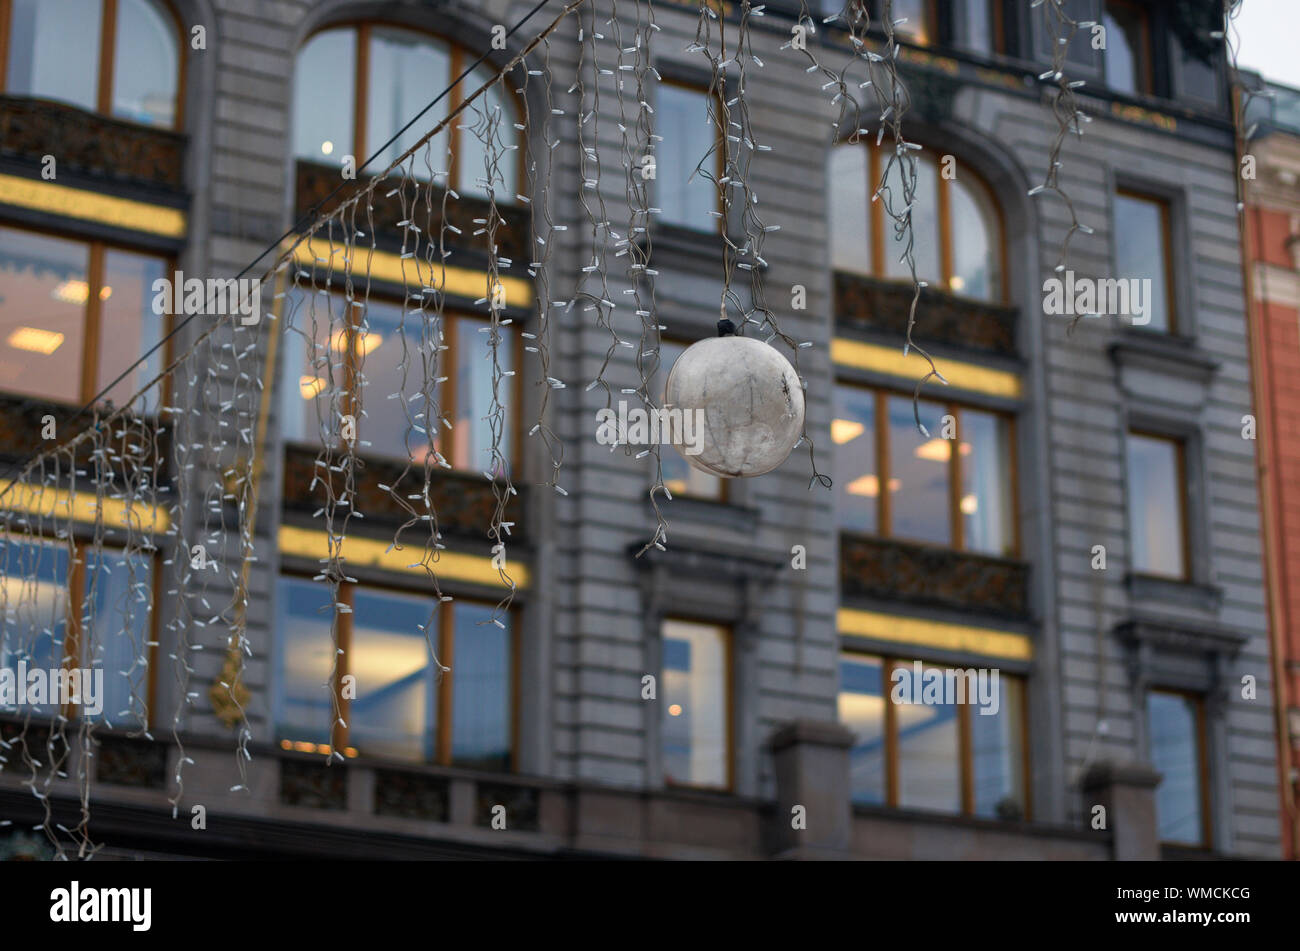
(481, 683)
(857, 481)
(472, 172)
(925, 223)
(472, 436)
(42, 35)
(862, 709)
(998, 753)
(1124, 54)
(1142, 251)
(696, 745)
(393, 714)
(1174, 730)
(682, 118)
(918, 27)
(680, 477)
(145, 65)
(1155, 506)
(117, 609)
(304, 659)
(975, 265)
(919, 471)
(929, 764)
(404, 67)
(388, 425)
(43, 292)
(973, 24)
(325, 72)
(849, 203)
(986, 483)
(34, 606)
(128, 326)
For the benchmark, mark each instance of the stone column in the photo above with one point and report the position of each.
(811, 760)
(1128, 793)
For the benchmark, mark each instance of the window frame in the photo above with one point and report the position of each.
(360, 149)
(728, 632)
(719, 171)
(106, 54)
(957, 527)
(1166, 206)
(1184, 507)
(1202, 740)
(442, 732)
(92, 311)
(965, 735)
(876, 226)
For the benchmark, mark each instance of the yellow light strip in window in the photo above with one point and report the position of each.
(959, 374)
(91, 206)
(939, 635)
(374, 553)
(60, 504)
(412, 272)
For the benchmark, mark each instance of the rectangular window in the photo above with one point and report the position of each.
(976, 25)
(680, 477)
(394, 703)
(1142, 251)
(110, 596)
(74, 315)
(373, 368)
(1157, 505)
(953, 489)
(1175, 723)
(687, 153)
(915, 748)
(696, 706)
(1127, 55)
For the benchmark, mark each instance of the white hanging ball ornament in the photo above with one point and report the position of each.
(746, 397)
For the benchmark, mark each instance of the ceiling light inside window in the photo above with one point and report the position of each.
(35, 340)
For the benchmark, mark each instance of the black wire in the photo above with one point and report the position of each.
(310, 214)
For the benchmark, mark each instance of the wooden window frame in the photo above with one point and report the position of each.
(339, 733)
(876, 216)
(1145, 52)
(107, 49)
(957, 530)
(965, 736)
(729, 700)
(457, 60)
(1201, 737)
(1184, 508)
(1167, 239)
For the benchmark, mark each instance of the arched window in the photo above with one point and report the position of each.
(957, 230)
(356, 86)
(118, 57)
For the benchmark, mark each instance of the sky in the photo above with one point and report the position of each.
(1268, 39)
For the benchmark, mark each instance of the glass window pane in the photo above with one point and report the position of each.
(1125, 57)
(393, 714)
(472, 435)
(324, 96)
(857, 483)
(145, 65)
(695, 741)
(1142, 252)
(314, 374)
(42, 34)
(389, 362)
(118, 604)
(1175, 753)
(407, 69)
(925, 223)
(682, 119)
(929, 761)
(976, 244)
(680, 477)
(304, 657)
(472, 172)
(998, 753)
(1155, 506)
(919, 470)
(33, 608)
(862, 710)
(986, 483)
(974, 25)
(918, 27)
(849, 202)
(482, 688)
(129, 326)
(43, 294)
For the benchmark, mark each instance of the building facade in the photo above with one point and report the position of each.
(1083, 517)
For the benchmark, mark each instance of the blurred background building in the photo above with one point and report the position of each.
(1092, 532)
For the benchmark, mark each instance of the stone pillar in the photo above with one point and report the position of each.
(1128, 792)
(811, 759)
